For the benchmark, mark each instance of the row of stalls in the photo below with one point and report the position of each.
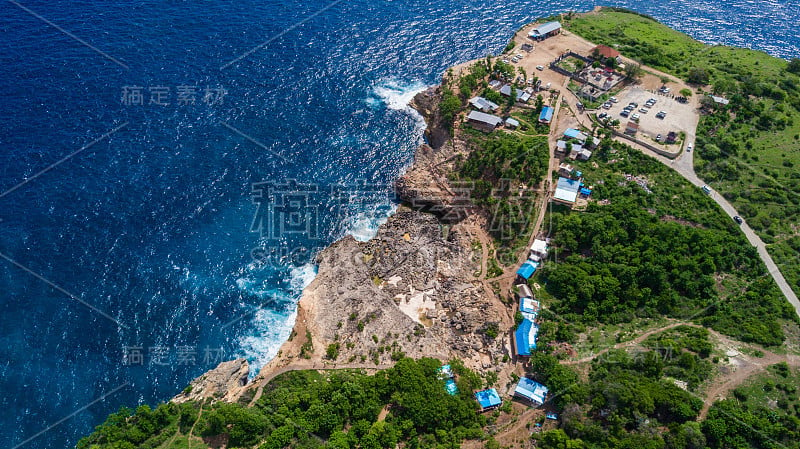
(528, 329)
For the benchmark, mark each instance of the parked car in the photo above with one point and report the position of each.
(635, 117)
(602, 115)
(625, 113)
(661, 114)
(539, 67)
(634, 104)
(606, 105)
(689, 147)
(658, 138)
(738, 219)
(643, 110)
(613, 100)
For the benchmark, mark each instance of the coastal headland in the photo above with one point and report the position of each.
(531, 149)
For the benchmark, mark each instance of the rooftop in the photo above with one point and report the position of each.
(566, 190)
(545, 28)
(525, 337)
(483, 104)
(546, 114)
(539, 246)
(481, 117)
(606, 51)
(527, 269)
(529, 305)
(531, 390)
(488, 398)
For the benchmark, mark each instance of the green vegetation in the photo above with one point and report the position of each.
(309, 409)
(629, 401)
(749, 149)
(657, 248)
(497, 164)
(625, 403)
(333, 351)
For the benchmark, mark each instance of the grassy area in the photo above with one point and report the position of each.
(498, 163)
(776, 389)
(661, 240)
(749, 150)
(571, 64)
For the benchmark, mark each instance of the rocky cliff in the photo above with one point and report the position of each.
(416, 289)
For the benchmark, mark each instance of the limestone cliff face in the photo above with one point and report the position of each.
(416, 289)
(410, 290)
(427, 104)
(225, 382)
(425, 186)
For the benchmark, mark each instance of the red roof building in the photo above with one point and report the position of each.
(605, 51)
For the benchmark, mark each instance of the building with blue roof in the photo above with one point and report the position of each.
(488, 399)
(531, 391)
(546, 115)
(529, 306)
(450, 387)
(444, 372)
(566, 191)
(525, 337)
(527, 269)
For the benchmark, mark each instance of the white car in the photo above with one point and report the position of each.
(689, 147)
(635, 117)
(539, 67)
(613, 100)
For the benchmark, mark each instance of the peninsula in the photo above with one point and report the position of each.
(557, 274)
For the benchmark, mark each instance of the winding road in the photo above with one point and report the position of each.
(684, 165)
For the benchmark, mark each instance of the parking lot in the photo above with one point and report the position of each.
(679, 117)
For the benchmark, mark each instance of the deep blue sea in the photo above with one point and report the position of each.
(168, 168)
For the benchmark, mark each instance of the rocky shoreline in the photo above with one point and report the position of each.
(416, 289)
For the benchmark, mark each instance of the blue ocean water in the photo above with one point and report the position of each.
(143, 259)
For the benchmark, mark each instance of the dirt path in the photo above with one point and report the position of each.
(744, 366)
(630, 343)
(747, 367)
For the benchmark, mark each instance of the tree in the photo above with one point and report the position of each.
(686, 92)
(633, 70)
(794, 66)
(697, 75)
(449, 106)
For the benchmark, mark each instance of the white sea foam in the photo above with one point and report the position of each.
(302, 276)
(396, 94)
(270, 327)
(364, 225)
